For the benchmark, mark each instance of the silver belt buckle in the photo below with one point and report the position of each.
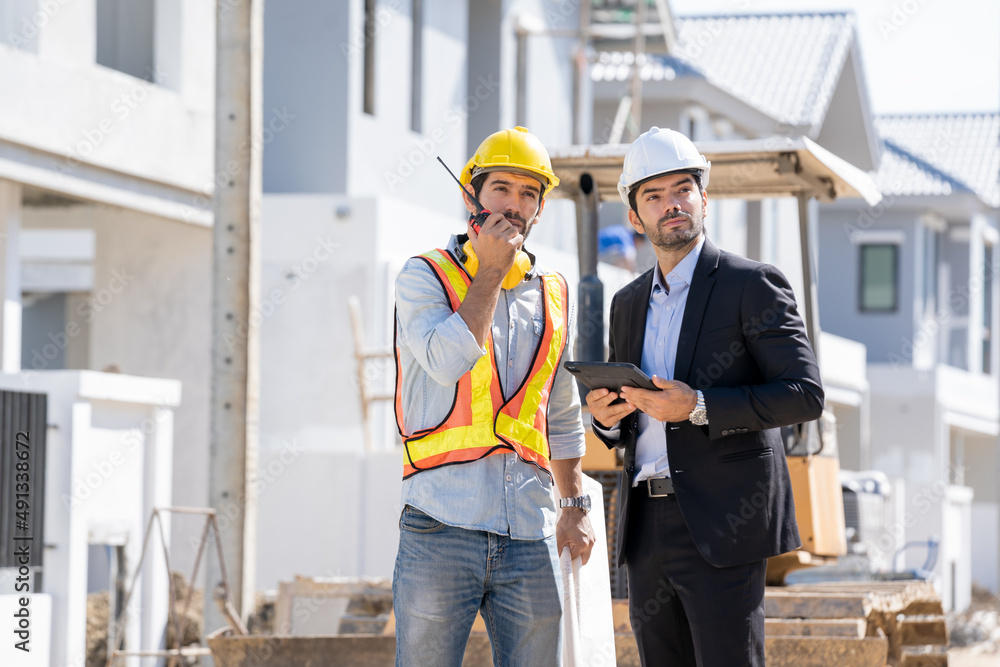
(653, 494)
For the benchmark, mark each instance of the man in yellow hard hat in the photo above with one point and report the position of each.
(488, 421)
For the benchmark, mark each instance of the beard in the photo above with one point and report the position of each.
(676, 238)
(519, 223)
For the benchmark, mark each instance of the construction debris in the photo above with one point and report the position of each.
(977, 629)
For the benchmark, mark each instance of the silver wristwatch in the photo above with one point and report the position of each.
(583, 502)
(699, 416)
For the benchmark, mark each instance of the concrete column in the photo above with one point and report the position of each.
(10, 277)
(236, 293)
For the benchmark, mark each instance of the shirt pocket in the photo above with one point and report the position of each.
(538, 325)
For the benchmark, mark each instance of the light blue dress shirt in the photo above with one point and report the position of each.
(500, 493)
(664, 316)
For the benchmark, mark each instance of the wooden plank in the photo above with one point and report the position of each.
(820, 627)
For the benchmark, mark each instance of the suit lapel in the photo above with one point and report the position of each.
(701, 287)
(636, 327)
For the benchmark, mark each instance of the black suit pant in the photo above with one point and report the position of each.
(684, 611)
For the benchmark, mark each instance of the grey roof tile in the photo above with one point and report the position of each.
(932, 154)
(786, 65)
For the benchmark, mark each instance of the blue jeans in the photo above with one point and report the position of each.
(444, 575)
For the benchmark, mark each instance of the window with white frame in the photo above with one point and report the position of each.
(879, 280)
(125, 36)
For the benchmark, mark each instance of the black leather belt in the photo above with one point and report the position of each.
(659, 487)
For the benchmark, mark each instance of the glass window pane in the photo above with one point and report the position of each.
(878, 277)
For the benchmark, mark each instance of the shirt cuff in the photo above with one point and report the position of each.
(456, 332)
(611, 434)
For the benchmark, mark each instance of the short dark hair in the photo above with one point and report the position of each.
(635, 188)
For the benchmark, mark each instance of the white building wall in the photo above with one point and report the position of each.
(386, 156)
(85, 113)
(915, 416)
(148, 314)
(312, 444)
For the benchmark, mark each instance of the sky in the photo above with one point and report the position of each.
(920, 56)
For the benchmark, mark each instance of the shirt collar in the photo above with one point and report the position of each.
(683, 272)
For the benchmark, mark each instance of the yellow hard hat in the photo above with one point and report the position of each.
(512, 150)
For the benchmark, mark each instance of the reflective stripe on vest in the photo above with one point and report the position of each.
(479, 422)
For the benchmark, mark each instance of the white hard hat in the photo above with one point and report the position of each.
(657, 152)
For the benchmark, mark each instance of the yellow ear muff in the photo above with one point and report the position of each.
(522, 264)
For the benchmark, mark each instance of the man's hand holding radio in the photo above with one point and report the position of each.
(496, 244)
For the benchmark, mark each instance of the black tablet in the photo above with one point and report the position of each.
(611, 375)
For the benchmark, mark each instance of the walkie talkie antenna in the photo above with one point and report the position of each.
(477, 219)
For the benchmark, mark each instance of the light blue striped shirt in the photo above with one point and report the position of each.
(500, 494)
(664, 315)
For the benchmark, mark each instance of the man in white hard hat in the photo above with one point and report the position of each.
(708, 495)
(489, 420)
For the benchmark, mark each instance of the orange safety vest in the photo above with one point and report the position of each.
(480, 422)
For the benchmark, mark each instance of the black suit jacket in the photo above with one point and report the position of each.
(742, 342)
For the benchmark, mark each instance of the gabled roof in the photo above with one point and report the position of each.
(787, 65)
(940, 154)
(617, 66)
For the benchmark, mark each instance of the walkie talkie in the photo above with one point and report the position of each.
(475, 219)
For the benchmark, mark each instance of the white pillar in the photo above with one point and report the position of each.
(157, 463)
(10, 277)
